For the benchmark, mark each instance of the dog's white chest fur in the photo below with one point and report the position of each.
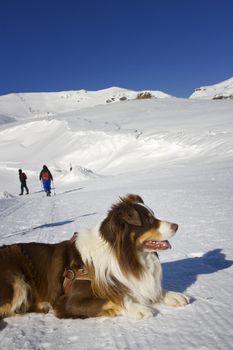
(148, 288)
(145, 290)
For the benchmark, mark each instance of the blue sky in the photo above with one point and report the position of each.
(168, 45)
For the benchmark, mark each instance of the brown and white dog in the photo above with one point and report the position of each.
(121, 273)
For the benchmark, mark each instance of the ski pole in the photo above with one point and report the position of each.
(54, 193)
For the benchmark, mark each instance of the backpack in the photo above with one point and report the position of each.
(24, 176)
(45, 175)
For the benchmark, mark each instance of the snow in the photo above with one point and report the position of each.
(223, 90)
(21, 105)
(175, 153)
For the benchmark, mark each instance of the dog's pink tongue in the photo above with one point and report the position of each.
(157, 245)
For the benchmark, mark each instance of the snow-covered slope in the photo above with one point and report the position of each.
(110, 139)
(178, 155)
(223, 90)
(21, 105)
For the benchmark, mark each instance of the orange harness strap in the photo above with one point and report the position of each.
(70, 276)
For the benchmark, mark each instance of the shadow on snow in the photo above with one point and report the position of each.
(61, 223)
(52, 224)
(181, 274)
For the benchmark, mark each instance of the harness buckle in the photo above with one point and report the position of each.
(69, 274)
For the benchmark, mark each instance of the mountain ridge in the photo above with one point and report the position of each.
(17, 105)
(42, 104)
(219, 91)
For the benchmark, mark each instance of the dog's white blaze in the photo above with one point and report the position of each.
(166, 230)
(145, 290)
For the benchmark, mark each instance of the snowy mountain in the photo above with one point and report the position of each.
(175, 153)
(223, 90)
(21, 105)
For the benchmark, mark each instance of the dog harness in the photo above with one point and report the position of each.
(70, 275)
(73, 273)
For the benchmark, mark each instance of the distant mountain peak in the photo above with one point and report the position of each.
(219, 91)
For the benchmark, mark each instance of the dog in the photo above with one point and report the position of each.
(110, 270)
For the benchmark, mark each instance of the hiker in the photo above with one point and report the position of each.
(22, 179)
(46, 178)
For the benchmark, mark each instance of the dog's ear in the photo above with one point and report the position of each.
(131, 216)
(133, 198)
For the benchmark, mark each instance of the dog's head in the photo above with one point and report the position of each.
(130, 223)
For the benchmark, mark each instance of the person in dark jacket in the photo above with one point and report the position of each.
(23, 181)
(46, 178)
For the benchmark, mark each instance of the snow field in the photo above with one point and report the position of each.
(176, 154)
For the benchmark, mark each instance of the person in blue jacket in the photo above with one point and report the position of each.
(46, 178)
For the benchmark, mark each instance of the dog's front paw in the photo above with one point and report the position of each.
(175, 299)
(141, 312)
(137, 311)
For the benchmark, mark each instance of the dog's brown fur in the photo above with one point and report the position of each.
(31, 277)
